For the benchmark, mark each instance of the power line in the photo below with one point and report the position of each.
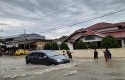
(64, 7)
(78, 17)
(73, 16)
(75, 5)
(86, 20)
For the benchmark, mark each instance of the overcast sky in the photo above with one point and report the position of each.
(47, 17)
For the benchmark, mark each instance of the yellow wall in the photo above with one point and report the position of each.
(118, 52)
(41, 44)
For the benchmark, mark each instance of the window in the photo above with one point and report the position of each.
(35, 54)
(38, 54)
(90, 38)
(41, 54)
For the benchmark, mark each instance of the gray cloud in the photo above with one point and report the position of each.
(39, 16)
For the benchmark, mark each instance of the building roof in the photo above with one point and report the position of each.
(118, 34)
(99, 25)
(90, 32)
(85, 33)
(22, 42)
(27, 41)
(121, 23)
(26, 36)
(117, 30)
(80, 30)
(105, 25)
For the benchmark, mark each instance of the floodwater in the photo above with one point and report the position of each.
(14, 68)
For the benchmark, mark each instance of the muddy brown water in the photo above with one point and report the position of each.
(14, 68)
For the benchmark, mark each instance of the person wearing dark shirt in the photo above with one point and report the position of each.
(108, 53)
(95, 54)
(69, 54)
(105, 56)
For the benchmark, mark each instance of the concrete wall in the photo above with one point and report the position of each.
(118, 52)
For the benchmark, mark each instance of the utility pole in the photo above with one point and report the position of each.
(1, 37)
(2, 54)
(24, 40)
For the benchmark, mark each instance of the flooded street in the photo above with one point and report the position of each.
(14, 68)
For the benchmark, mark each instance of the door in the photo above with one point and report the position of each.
(35, 58)
(43, 58)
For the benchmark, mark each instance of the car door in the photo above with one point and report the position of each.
(35, 58)
(43, 59)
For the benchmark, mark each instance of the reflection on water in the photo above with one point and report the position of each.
(14, 68)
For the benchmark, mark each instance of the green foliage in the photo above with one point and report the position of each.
(81, 45)
(47, 46)
(109, 42)
(64, 46)
(92, 45)
(54, 46)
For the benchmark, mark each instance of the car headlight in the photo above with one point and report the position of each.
(58, 60)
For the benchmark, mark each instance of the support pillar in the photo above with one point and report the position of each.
(123, 42)
(70, 45)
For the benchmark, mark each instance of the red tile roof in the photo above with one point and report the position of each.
(90, 32)
(86, 33)
(119, 34)
(99, 26)
(80, 30)
(105, 25)
(121, 23)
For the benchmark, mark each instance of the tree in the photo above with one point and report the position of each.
(64, 46)
(109, 42)
(81, 45)
(92, 45)
(47, 46)
(54, 46)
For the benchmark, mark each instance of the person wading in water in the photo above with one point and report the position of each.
(95, 54)
(108, 53)
(69, 54)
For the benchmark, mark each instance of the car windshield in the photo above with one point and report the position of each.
(51, 54)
